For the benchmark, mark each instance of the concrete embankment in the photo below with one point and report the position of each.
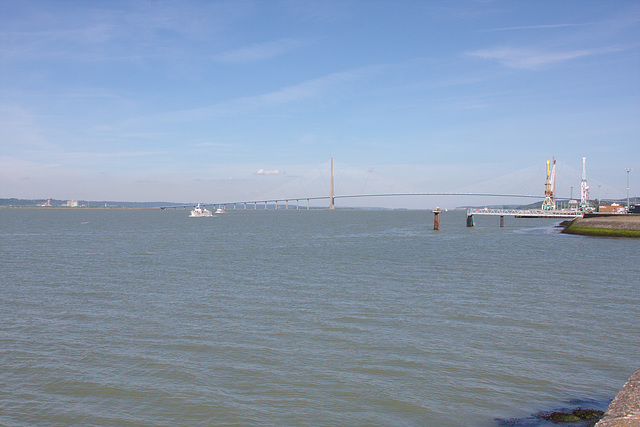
(624, 411)
(616, 225)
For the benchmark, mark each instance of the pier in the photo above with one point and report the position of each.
(522, 213)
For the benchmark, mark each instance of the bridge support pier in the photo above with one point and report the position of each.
(501, 221)
(307, 204)
(469, 220)
(297, 204)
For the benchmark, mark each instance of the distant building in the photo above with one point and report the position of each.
(46, 203)
(614, 208)
(573, 205)
(72, 203)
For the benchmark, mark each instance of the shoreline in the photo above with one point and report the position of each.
(605, 225)
(624, 410)
(78, 208)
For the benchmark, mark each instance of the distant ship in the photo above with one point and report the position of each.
(199, 212)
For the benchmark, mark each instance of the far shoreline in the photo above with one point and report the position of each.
(81, 207)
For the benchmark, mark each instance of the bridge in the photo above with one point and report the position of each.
(548, 206)
(331, 199)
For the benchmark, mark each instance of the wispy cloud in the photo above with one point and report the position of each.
(212, 144)
(130, 33)
(533, 59)
(267, 172)
(258, 52)
(16, 167)
(117, 154)
(308, 89)
(537, 27)
(20, 124)
(304, 90)
(104, 155)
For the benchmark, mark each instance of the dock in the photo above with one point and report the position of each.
(523, 213)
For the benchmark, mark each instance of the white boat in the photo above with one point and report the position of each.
(220, 210)
(199, 212)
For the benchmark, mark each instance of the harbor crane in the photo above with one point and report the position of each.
(549, 202)
(584, 188)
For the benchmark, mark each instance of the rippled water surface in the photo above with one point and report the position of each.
(346, 317)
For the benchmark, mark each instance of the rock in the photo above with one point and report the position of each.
(574, 416)
(624, 411)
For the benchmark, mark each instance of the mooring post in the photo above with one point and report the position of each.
(501, 221)
(469, 220)
(436, 219)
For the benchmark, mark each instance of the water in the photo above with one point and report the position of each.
(144, 317)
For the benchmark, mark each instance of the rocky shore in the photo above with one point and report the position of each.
(612, 225)
(624, 411)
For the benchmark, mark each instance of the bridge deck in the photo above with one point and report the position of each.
(528, 213)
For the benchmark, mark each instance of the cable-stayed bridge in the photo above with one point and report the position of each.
(526, 184)
(290, 201)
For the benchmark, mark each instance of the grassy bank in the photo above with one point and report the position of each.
(600, 232)
(605, 226)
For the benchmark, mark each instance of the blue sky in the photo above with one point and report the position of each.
(213, 101)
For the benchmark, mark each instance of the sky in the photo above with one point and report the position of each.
(222, 101)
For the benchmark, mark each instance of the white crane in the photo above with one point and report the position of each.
(584, 188)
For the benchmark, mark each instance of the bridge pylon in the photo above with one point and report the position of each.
(331, 193)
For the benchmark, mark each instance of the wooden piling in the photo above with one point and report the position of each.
(436, 219)
(469, 220)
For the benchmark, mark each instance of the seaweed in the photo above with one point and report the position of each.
(581, 413)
